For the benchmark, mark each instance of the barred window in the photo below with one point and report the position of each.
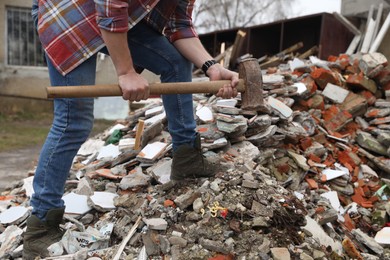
(23, 46)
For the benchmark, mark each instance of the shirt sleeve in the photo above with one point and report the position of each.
(180, 24)
(112, 15)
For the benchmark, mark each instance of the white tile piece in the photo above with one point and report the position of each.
(13, 215)
(28, 186)
(301, 87)
(332, 174)
(91, 146)
(116, 127)
(335, 203)
(227, 102)
(108, 151)
(205, 114)
(272, 78)
(151, 151)
(104, 200)
(296, 63)
(383, 236)
(126, 143)
(76, 204)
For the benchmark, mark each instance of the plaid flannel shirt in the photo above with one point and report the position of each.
(69, 30)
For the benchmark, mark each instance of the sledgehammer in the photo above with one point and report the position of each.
(250, 86)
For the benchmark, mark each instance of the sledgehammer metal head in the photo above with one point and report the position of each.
(252, 97)
(250, 86)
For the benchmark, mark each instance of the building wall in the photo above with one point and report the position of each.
(360, 7)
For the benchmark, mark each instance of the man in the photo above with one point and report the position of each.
(154, 34)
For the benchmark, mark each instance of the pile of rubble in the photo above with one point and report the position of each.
(303, 179)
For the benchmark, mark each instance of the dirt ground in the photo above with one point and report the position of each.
(20, 144)
(16, 164)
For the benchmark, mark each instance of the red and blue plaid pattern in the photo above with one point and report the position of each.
(70, 29)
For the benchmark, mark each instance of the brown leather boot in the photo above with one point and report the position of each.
(189, 163)
(41, 234)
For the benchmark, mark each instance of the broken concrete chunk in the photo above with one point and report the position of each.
(214, 246)
(384, 139)
(370, 61)
(280, 253)
(178, 241)
(157, 118)
(134, 179)
(313, 229)
(300, 160)
(335, 93)
(240, 126)
(368, 142)
(162, 170)
(154, 111)
(227, 110)
(156, 223)
(187, 199)
(10, 239)
(327, 216)
(373, 112)
(272, 79)
(247, 149)
(209, 132)
(280, 107)
(367, 241)
(84, 187)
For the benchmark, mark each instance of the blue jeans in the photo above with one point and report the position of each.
(73, 118)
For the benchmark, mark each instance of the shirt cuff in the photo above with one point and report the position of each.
(182, 34)
(117, 24)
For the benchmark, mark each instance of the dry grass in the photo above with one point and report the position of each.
(26, 130)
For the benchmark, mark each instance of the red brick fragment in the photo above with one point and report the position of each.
(312, 183)
(306, 143)
(360, 81)
(316, 102)
(348, 222)
(323, 76)
(315, 158)
(383, 77)
(370, 98)
(222, 257)
(310, 85)
(169, 203)
(344, 158)
(283, 168)
(338, 121)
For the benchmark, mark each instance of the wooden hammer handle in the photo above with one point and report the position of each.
(155, 89)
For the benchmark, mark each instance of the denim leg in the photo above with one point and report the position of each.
(152, 51)
(72, 123)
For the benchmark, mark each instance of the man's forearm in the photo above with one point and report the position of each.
(119, 51)
(193, 50)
